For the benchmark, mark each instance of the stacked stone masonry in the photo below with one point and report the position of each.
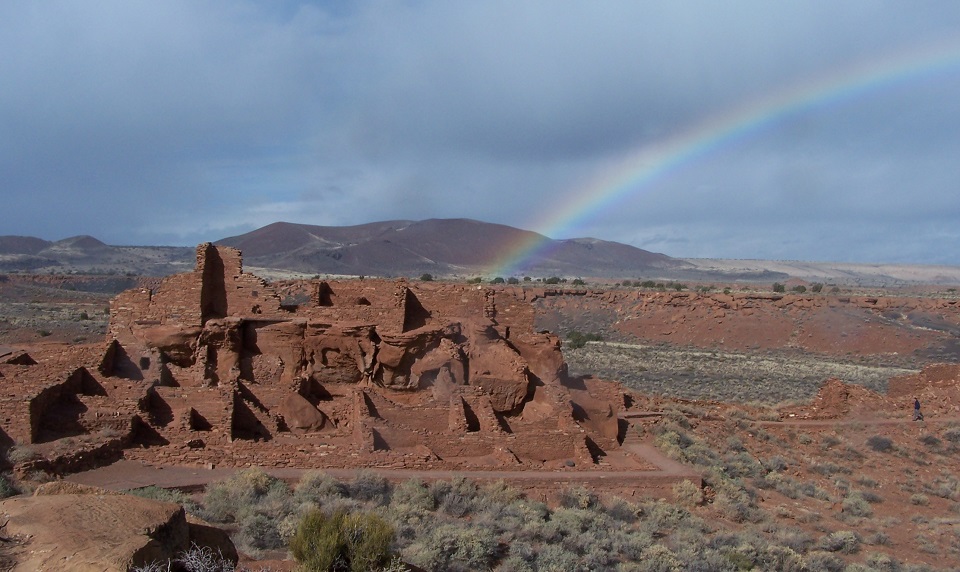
(217, 367)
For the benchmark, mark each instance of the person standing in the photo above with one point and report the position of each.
(917, 416)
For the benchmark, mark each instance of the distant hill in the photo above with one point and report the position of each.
(443, 247)
(87, 255)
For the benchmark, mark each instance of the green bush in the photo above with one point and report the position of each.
(552, 280)
(498, 280)
(356, 542)
(579, 339)
(778, 287)
(426, 277)
(513, 280)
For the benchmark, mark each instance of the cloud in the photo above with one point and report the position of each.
(175, 121)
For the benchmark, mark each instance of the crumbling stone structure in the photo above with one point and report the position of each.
(217, 366)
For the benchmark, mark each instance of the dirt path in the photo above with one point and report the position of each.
(128, 474)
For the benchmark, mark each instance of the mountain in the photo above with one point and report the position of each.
(87, 255)
(443, 247)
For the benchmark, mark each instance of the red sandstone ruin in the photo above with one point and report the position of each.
(213, 367)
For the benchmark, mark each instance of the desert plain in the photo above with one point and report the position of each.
(632, 424)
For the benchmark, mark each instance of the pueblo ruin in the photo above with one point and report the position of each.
(218, 368)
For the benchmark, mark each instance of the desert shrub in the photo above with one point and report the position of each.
(867, 482)
(22, 453)
(919, 499)
(455, 548)
(455, 497)
(882, 562)
(578, 497)
(854, 504)
(315, 486)
(500, 492)
(952, 435)
(426, 277)
(413, 494)
(8, 487)
(778, 287)
(813, 490)
(194, 559)
(659, 558)
(623, 511)
(165, 495)
(775, 463)
(368, 486)
(880, 443)
(849, 453)
(843, 541)
(513, 280)
(878, 539)
(687, 494)
(829, 469)
(342, 541)
(829, 441)
(929, 440)
(804, 439)
(498, 280)
(226, 501)
(258, 531)
(825, 561)
(742, 465)
(579, 339)
(945, 486)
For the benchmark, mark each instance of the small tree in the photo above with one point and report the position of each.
(425, 277)
(778, 287)
(513, 280)
(552, 280)
(578, 282)
(497, 280)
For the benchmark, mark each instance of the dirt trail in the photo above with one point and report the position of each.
(128, 474)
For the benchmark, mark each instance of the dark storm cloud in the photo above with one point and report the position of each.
(186, 121)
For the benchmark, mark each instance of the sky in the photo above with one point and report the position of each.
(809, 130)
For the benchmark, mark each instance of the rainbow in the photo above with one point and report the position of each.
(644, 166)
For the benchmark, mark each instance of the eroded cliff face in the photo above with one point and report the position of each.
(218, 366)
